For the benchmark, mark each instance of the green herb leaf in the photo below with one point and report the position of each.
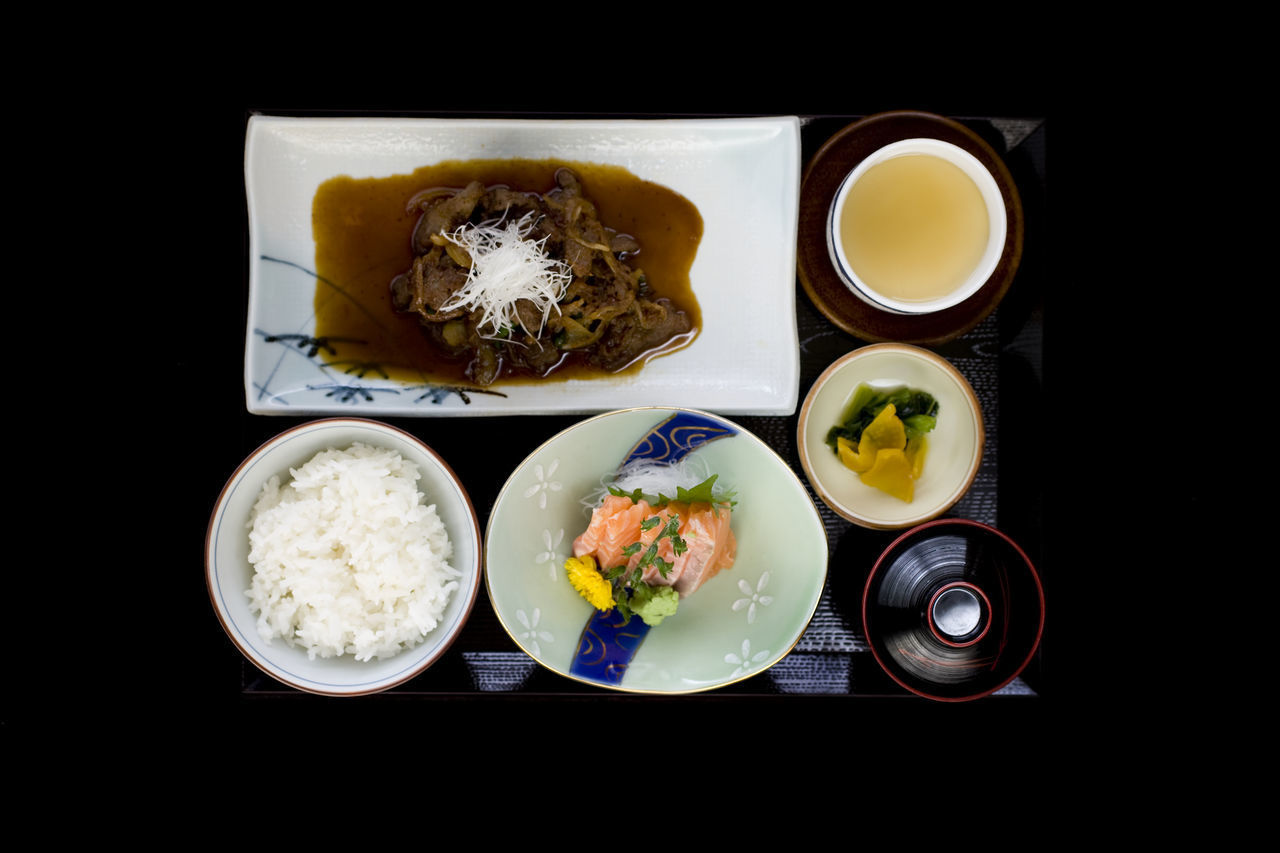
(622, 605)
(650, 553)
(704, 491)
(700, 492)
(636, 495)
(672, 531)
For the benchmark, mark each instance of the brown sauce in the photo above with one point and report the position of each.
(363, 230)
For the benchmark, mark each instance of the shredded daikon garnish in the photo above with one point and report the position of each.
(505, 268)
(651, 476)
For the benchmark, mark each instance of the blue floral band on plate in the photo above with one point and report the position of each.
(607, 646)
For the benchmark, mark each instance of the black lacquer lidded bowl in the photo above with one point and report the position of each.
(953, 610)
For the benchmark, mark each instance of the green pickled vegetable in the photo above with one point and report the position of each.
(917, 409)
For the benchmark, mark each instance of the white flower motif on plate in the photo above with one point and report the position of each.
(746, 660)
(531, 635)
(753, 597)
(551, 551)
(544, 484)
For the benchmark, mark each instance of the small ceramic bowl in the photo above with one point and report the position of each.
(736, 625)
(229, 572)
(953, 610)
(955, 444)
(994, 212)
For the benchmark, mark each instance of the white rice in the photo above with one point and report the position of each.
(348, 558)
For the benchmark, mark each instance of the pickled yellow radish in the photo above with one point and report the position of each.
(892, 474)
(850, 458)
(892, 421)
(916, 450)
(885, 458)
(886, 431)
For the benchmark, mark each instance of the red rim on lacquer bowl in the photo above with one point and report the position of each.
(953, 610)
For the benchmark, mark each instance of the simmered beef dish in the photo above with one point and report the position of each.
(591, 303)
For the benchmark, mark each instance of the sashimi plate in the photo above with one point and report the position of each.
(738, 624)
(742, 174)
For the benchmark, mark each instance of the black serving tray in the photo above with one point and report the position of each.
(1002, 358)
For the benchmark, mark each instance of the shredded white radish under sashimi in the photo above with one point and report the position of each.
(505, 268)
(652, 477)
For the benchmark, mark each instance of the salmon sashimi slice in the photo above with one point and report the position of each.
(712, 546)
(666, 550)
(615, 524)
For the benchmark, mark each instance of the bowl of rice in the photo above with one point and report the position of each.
(343, 557)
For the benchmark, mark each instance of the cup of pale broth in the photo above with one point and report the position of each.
(917, 227)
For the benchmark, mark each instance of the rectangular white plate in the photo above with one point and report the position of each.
(742, 174)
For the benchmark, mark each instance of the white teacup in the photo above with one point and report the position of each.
(913, 236)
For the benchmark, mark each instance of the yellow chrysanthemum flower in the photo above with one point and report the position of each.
(589, 583)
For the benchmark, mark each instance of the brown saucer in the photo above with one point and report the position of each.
(818, 276)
